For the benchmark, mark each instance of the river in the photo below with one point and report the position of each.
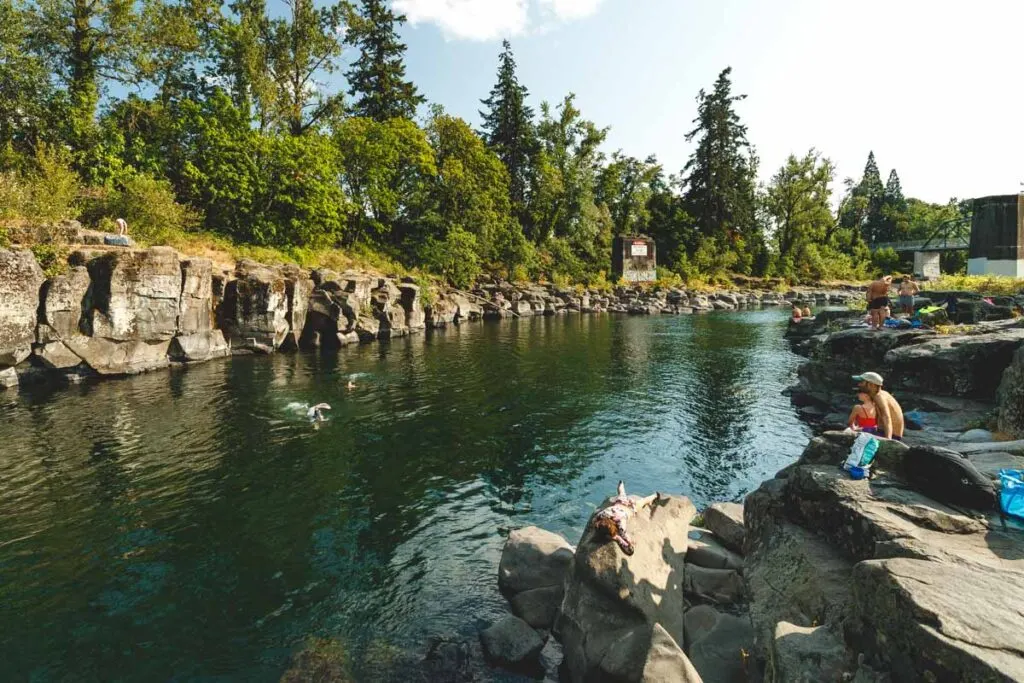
(193, 525)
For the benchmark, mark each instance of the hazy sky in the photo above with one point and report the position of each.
(935, 88)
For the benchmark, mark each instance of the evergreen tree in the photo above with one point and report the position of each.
(509, 131)
(377, 77)
(894, 210)
(721, 174)
(871, 191)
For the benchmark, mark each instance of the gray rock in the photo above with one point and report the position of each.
(511, 642)
(719, 645)
(538, 607)
(705, 550)
(721, 586)
(8, 378)
(725, 520)
(135, 297)
(1011, 398)
(298, 289)
(255, 308)
(20, 280)
(199, 347)
(975, 436)
(666, 662)
(614, 601)
(112, 357)
(57, 356)
(807, 655)
(956, 621)
(63, 301)
(196, 303)
(533, 558)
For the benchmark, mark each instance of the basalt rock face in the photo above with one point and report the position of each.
(622, 614)
(255, 308)
(20, 280)
(873, 576)
(1011, 398)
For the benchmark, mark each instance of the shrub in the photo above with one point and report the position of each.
(885, 260)
(454, 258)
(52, 258)
(149, 207)
(47, 190)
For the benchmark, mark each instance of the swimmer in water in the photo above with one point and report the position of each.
(316, 413)
(351, 385)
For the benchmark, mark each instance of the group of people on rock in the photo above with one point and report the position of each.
(878, 412)
(879, 303)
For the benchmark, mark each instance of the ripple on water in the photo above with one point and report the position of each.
(194, 525)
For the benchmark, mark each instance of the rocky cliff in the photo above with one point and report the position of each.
(121, 311)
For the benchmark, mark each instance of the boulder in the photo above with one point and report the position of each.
(720, 586)
(113, 357)
(20, 281)
(705, 550)
(725, 520)
(8, 378)
(135, 297)
(533, 558)
(956, 365)
(945, 621)
(614, 602)
(63, 300)
(511, 642)
(719, 645)
(1011, 397)
(57, 356)
(199, 347)
(807, 655)
(255, 308)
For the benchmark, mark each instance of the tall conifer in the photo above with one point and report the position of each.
(377, 77)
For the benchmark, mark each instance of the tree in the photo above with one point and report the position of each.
(377, 77)
(625, 187)
(870, 191)
(27, 99)
(894, 220)
(798, 201)
(509, 131)
(720, 176)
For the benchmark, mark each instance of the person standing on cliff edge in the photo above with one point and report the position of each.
(878, 301)
(887, 410)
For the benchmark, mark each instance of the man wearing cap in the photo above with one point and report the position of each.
(890, 414)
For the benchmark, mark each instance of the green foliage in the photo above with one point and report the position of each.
(885, 260)
(509, 131)
(46, 190)
(52, 258)
(720, 176)
(454, 258)
(377, 77)
(981, 284)
(149, 207)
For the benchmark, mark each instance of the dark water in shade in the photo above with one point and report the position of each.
(188, 526)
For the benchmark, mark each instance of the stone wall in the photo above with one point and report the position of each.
(125, 311)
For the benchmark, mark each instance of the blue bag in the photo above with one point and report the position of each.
(1011, 495)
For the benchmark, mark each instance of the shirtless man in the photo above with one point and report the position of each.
(878, 301)
(888, 412)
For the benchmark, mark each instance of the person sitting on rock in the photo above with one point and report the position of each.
(806, 312)
(864, 416)
(797, 314)
(887, 410)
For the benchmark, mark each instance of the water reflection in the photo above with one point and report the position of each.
(187, 525)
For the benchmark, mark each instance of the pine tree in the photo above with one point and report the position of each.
(377, 77)
(509, 131)
(720, 175)
(870, 189)
(894, 209)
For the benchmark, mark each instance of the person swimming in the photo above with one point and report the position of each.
(316, 413)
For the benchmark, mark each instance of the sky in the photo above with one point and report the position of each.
(935, 89)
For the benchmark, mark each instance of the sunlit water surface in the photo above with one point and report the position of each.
(192, 525)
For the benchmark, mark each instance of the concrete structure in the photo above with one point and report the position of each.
(926, 264)
(997, 236)
(634, 259)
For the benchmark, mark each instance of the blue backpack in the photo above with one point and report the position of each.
(1011, 494)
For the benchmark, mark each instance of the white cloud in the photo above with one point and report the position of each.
(469, 19)
(490, 19)
(567, 10)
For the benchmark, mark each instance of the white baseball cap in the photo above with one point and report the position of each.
(870, 378)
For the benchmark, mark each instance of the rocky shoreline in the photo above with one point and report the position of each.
(122, 311)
